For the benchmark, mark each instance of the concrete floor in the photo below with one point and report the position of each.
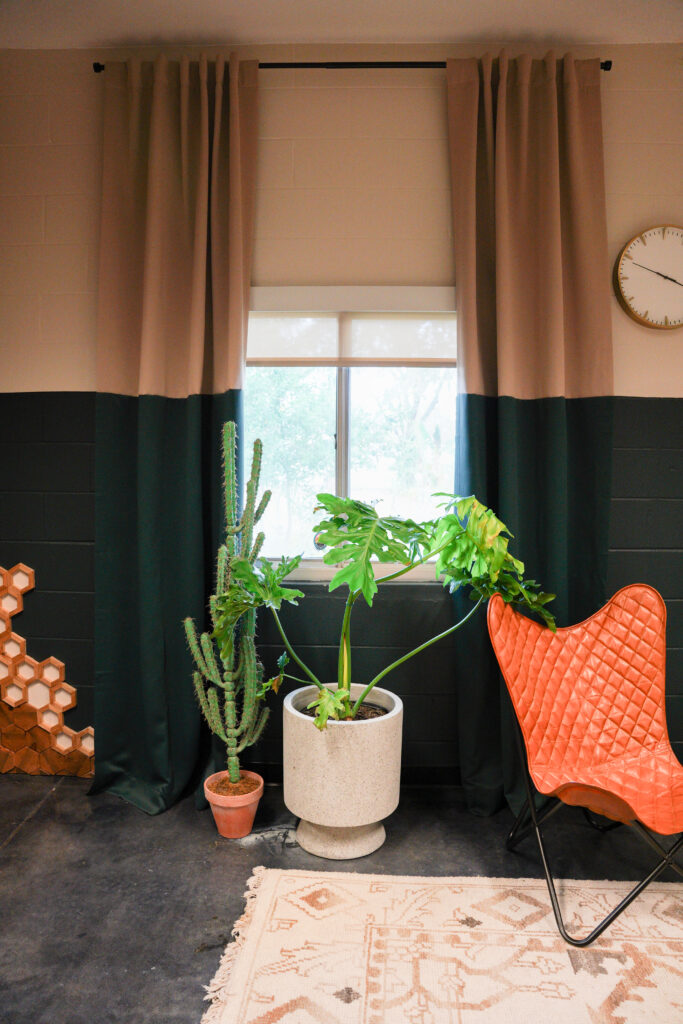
(108, 916)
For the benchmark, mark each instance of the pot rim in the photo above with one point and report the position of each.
(397, 709)
(240, 799)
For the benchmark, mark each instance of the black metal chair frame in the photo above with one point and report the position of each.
(530, 819)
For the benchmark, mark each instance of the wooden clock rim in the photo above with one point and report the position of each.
(617, 283)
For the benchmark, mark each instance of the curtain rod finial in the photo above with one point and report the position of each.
(605, 65)
(97, 67)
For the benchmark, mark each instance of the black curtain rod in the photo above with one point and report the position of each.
(605, 65)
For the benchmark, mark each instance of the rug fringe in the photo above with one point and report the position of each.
(216, 989)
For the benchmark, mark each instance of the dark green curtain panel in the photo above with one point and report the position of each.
(159, 517)
(180, 142)
(534, 417)
(545, 466)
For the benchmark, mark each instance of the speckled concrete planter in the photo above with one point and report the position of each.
(344, 781)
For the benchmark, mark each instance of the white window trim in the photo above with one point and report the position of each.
(357, 299)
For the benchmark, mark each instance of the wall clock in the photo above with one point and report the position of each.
(648, 277)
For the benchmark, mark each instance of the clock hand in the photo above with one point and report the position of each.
(658, 273)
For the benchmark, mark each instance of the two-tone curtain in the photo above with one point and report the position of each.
(534, 353)
(180, 142)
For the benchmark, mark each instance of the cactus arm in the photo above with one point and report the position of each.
(263, 505)
(258, 544)
(193, 644)
(214, 715)
(201, 694)
(212, 672)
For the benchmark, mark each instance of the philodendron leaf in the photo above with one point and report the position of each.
(473, 545)
(356, 535)
(328, 704)
(251, 587)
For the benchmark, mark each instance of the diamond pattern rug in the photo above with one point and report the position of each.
(337, 948)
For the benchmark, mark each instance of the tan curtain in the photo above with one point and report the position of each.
(175, 256)
(532, 270)
(177, 226)
(534, 354)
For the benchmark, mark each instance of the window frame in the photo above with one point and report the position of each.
(345, 302)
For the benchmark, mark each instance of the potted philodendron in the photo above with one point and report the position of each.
(342, 777)
(228, 679)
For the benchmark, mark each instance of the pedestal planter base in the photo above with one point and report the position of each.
(234, 815)
(340, 843)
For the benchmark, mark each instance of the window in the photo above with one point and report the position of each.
(357, 403)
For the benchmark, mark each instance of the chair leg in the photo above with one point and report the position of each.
(535, 821)
(645, 834)
(524, 825)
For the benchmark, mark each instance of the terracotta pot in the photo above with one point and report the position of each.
(234, 815)
(343, 781)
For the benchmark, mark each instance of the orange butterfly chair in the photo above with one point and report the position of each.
(589, 700)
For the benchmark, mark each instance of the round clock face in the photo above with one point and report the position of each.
(649, 277)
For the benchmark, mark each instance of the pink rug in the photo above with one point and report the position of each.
(338, 948)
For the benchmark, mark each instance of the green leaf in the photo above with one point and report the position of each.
(475, 553)
(328, 704)
(356, 535)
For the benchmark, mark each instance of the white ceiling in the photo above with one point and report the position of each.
(66, 24)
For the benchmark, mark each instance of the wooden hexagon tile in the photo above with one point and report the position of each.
(33, 699)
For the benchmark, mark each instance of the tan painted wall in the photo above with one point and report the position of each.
(353, 188)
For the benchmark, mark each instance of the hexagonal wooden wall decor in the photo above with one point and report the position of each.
(34, 697)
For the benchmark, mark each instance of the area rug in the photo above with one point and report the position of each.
(336, 948)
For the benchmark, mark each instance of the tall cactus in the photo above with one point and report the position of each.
(228, 680)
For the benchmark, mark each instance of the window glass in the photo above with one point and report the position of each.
(293, 410)
(401, 437)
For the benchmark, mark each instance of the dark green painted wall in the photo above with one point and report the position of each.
(47, 521)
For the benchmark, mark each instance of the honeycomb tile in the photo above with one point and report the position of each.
(22, 577)
(28, 761)
(63, 697)
(63, 740)
(85, 741)
(6, 667)
(51, 671)
(50, 719)
(26, 668)
(13, 691)
(11, 602)
(14, 646)
(25, 717)
(14, 738)
(6, 760)
(38, 694)
(40, 739)
(34, 697)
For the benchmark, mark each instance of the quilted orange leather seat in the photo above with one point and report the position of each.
(589, 700)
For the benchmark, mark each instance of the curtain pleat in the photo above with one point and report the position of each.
(534, 436)
(178, 195)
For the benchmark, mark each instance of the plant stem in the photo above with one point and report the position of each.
(410, 654)
(295, 657)
(344, 663)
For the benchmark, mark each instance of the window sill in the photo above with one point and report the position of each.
(314, 570)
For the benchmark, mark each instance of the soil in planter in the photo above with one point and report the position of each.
(365, 711)
(224, 787)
